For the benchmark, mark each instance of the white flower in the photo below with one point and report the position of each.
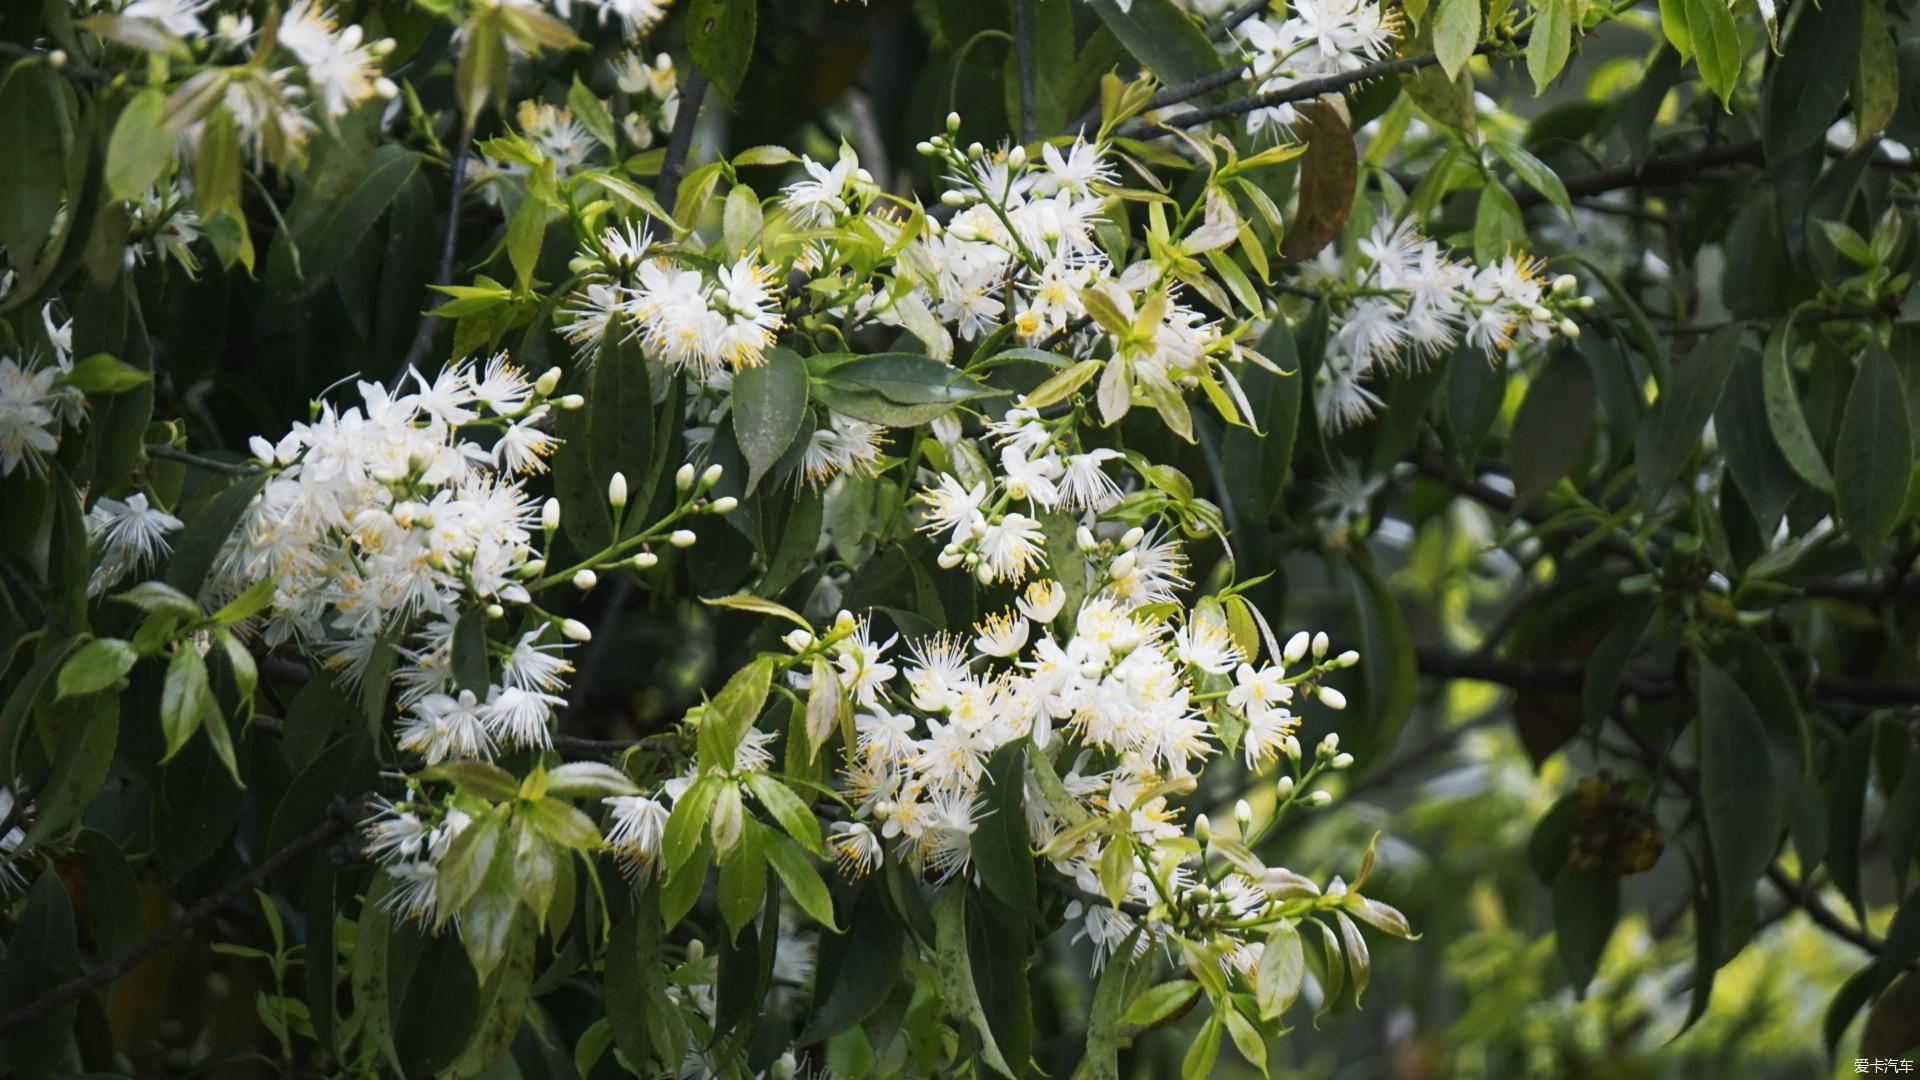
(821, 198)
(131, 534)
(1042, 601)
(1012, 547)
(638, 826)
(1084, 485)
(856, 850)
(952, 507)
(1003, 634)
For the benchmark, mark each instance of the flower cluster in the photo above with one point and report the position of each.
(1316, 39)
(34, 408)
(387, 517)
(1408, 301)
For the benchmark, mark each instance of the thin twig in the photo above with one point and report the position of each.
(443, 275)
(1308, 89)
(226, 468)
(1218, 31)
(666, 188)
(49, 1000)
(57, 58)
(1023, 59)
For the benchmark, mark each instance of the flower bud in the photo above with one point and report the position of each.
(1565, 284)
(533, 567)
(974, 149)
(924, 147)
(1342, 760)
(682, 538)
(1292, 747)
(1202, 829)
(1347, 659)
(684, 478)
(386, 88)
(1243, 815)
(1132, 537)
(550, 515)
(1124, 565)
(645, 560)
(1284, 788)
(1017, 157)
(1083, 538)
(984, 573)
(953, 197)
(495, 611)
(575, 630)
(950, 557)
(585, 580)
(725, 504)
(1570, 328)
(953, 123)
(548, 379)
(572, 402)
(1320, 644)
(844, 622)
(1331, 698)
(1329, 744)
(712, 475)
(1296, 649)
(617, 490)
(1320, 798)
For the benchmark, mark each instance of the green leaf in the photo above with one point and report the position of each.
(801, 879)
(502, 1006)
(1876, 79)
(103, 374)
(1256, 462)
(100, 664)
(470, 668)
(1533, 172)
(1766, 479)
(36, 132)
(732, 711)
(184, 699)
(1739, 800)
(1456, 33)
(1806, 88)
(1102, 1061)
(856, 971)
(325, 248)
(769, 402)
(217, 169)
(1716, 45)
(247, 604)
(525, 230)
(1161, 37)
(955, 968)
(1387, 668)
(720, 37)
(905, 379)
(1873, 459)
(372, 963)
(1002, 854)
(592, 114)
(469, 860)
(788, 809)
(1550, 41)
(1784, 415)
(743, 879)
(1671, 428)
(481, 74)
(81, 760)
(1551, 428)
(207, 532)
(1498, 227)
(1586, 904)
(1282, 971)
(643, 1019)
(43, 951)
(1201, 1054)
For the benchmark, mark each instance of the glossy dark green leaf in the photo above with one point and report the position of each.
(856, 971)
(325, 248)
(88, 734)
(1671, 428)
(1002, 855)
(43, 951)
(644, 1022)
(1161, 37)
(1873, 459)
(1586, 904)
(769, 403)
(1766, 478)
(1256, 464)
(36, 131)
(1551, 429)
(1806, 87)
(720, 37)
(206, 533)
(1739, 798)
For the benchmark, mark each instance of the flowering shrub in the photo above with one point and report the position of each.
(957, 473)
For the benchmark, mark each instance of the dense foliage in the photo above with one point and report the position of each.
(998, 538)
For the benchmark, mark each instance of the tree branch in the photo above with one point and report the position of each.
(209, 906)
(1023, 58)
(456, 186)
(1568, 676)
(666, 188)
(226, 468)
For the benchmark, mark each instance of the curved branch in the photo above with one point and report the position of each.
(225, 468)
(190, 919)
(456, 185)
(666, 188)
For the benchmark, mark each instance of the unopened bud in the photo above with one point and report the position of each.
(952, 197)
(682, 538)
(798, 640)
(533, 567)
(1284, 788)
(550, 515)
(953, 123)
(1292, 747)
(646, 560)
(684, 478)
(1320, 798)
(617, 490)
(1565, 284)
(1328, 745)
(1123, 566)
(1202, 829)
(1083, 538)
(1320, 644)
(983, 573)
(1342, 760)
(572, 401)
(495, 611)
(974, 149)
(1569, 328)
(548, 379)
(1017, 156)
(585, 580)
(1331, 698)
(923, 147)
(575, 630)
(1347, 659)
(712, 475)
(1243, 814)
(725, 504)
(1296, 649)
(1132, 537)
(950, 557)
